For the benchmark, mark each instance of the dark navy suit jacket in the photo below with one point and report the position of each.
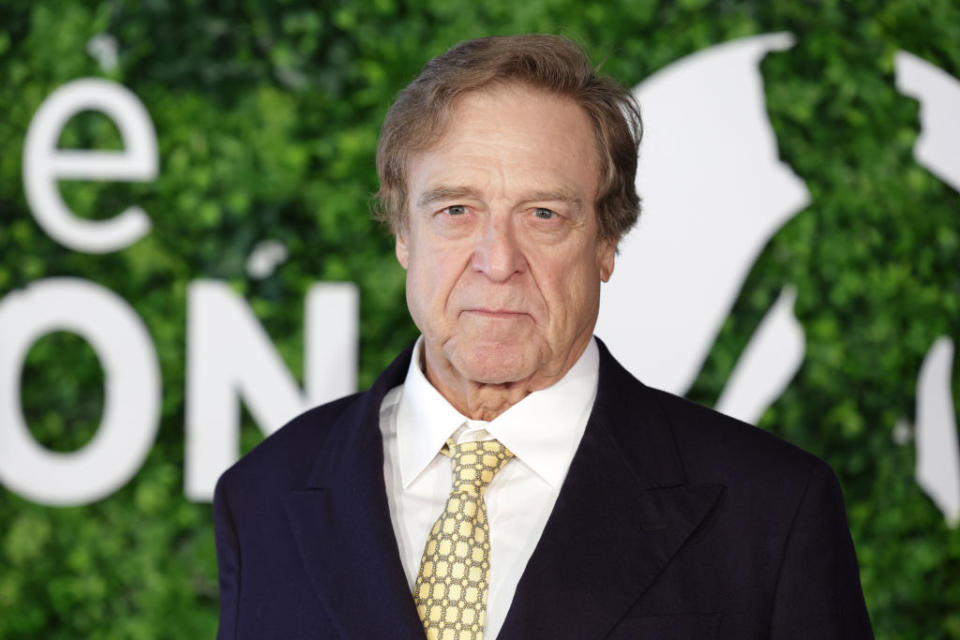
(674, 522)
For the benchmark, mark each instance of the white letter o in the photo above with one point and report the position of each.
(131, 399)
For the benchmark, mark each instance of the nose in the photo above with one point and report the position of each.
(497, 254)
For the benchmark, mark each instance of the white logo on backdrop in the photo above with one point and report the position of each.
(715, 193)
(131, 411)
(229, 356)
(938, 149)
(44, 164)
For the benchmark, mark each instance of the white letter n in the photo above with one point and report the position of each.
(230, 358)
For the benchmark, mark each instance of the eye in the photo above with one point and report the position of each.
(455, 210)
(544, 213)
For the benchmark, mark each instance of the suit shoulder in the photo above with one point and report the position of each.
(288, 454)
(714, 443)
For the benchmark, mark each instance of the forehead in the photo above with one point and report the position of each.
(512, 136)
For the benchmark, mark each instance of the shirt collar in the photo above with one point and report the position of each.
(543, 430)
(425, 419)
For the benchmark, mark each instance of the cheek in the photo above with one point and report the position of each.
(571, 289)
(432, 277)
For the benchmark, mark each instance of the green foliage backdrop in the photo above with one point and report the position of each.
(267, 116)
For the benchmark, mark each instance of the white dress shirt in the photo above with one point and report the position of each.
(543, 431)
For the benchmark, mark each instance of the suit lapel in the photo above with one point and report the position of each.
(622, 514)
(341, 523)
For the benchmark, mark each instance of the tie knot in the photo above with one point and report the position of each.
(475, 463)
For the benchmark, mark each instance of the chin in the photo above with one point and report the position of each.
(496, 363)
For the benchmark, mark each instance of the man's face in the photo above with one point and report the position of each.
(503, 258)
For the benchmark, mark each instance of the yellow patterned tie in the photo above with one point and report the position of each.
(451, 587)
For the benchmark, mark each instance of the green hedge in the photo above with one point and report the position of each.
(267, 116)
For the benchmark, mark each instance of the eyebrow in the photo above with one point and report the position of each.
(561, 195)
(447, 192)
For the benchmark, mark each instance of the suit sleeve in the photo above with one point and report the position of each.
(228, 561)
(818, 588)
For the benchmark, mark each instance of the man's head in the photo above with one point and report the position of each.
(508, 191)
(421, 113)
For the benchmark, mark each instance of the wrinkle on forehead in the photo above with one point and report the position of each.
(483, 126)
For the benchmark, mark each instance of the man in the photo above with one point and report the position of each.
(505, 477)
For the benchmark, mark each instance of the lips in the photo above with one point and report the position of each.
(497, 313)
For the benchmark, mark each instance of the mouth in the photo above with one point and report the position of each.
(498, 314)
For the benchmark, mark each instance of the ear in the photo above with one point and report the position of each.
(401, 249)
(606, 253)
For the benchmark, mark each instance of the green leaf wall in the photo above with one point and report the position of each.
(267, 116)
